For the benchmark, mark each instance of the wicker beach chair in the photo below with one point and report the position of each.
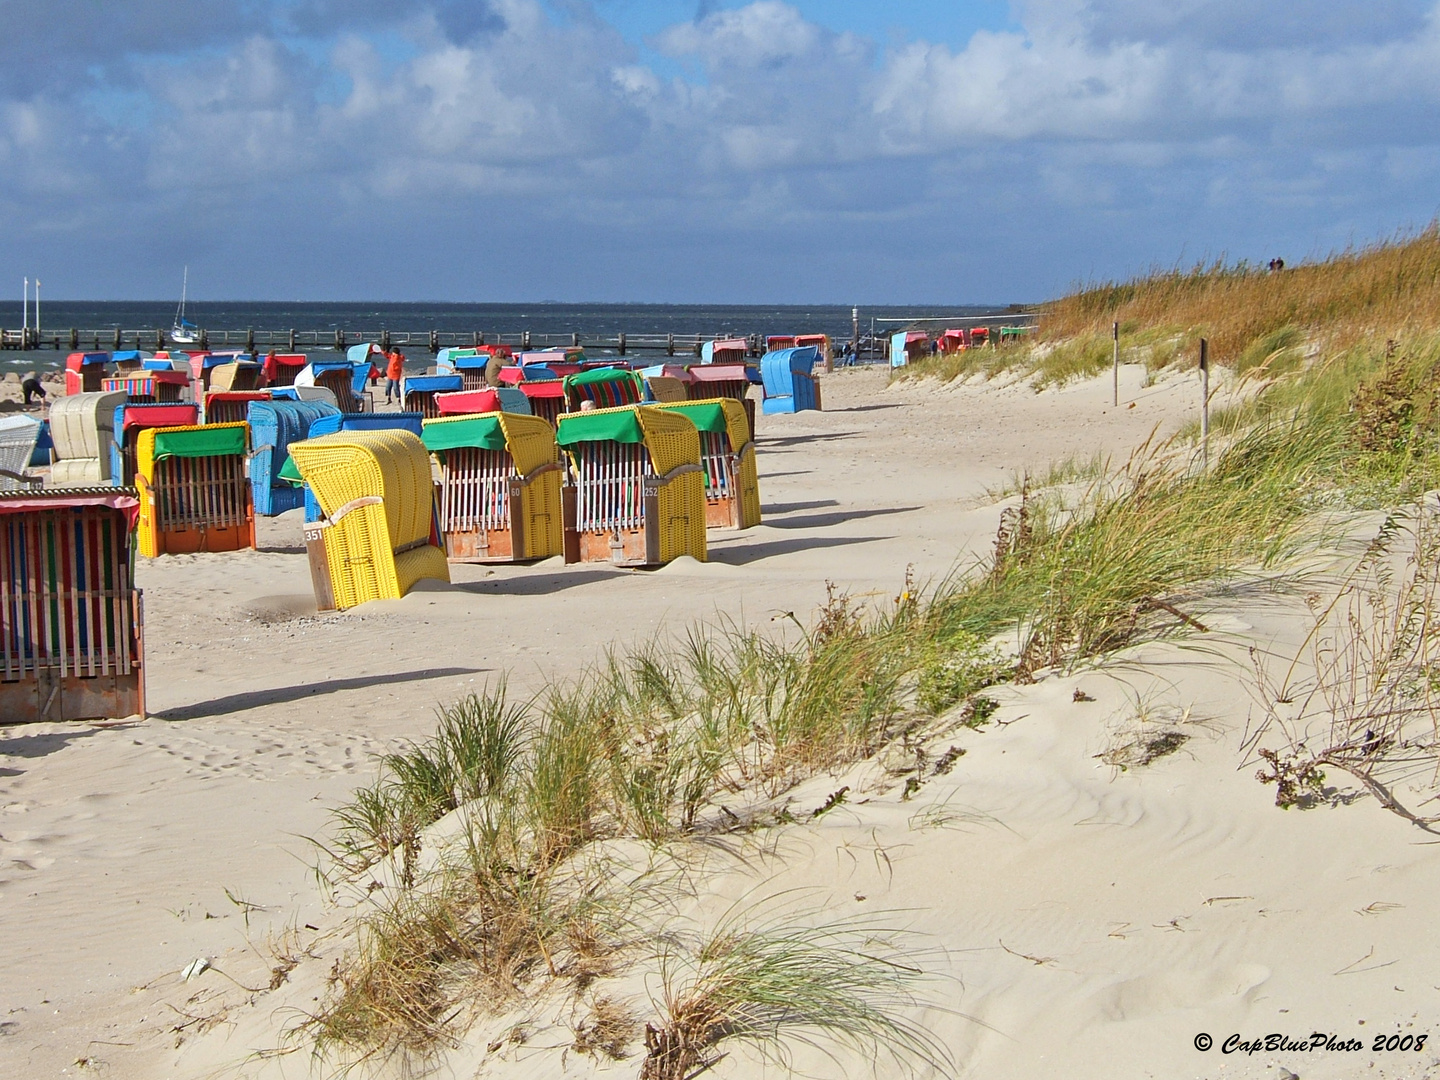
(546, 397)
(789, 380)
(132, 419)
(280, 369)
(375, 539)
(337, 422)
(345, 379)
(493, 399)
(727, 452)
(18, 435)
(636, 495)
(417, 392)
(726, 380)
(500, 482)
(274, 425)
(606, 387)
(71, 628)
(82, 427)
(149, 387)
(230, 406)
(725, 351)
(84, 372)
(194, 495)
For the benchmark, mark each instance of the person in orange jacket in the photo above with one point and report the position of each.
(394, 372)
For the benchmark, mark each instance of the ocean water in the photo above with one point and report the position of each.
(556, 320)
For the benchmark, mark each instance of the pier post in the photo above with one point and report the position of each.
(292, 339)
(204, 341)
(622, 342)
(74, 339)
(117, 337)
(699, 346)
(575, 340)
(250, 339)
(159, 340)
(385, 341)
(339, 340)
(525, 340)
(434, 342)
(669, 344)
(479, 339)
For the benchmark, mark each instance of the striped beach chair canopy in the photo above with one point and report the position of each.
(607, 387)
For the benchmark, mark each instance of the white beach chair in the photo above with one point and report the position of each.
(82, 427)
(17, 446)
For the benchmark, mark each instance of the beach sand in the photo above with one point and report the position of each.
(1084, 921)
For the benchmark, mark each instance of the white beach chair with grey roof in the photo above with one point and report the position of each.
(17, 446)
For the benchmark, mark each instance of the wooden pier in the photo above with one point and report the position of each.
(291, 340)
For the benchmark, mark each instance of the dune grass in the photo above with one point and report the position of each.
(1389, 288)
(650, 743)
(777, 982)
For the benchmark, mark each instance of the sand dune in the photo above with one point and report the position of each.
(1081, 920)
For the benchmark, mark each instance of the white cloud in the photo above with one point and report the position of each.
(507, 112)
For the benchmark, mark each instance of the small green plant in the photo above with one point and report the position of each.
(956, 669)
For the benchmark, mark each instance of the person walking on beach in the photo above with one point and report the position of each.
(394, 372)
(30, 386)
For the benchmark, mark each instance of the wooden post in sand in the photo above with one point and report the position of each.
(1204, 404)
(1115, 371)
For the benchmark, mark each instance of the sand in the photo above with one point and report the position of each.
(1083, 920)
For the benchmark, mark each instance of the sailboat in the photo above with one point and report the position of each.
(184, 332)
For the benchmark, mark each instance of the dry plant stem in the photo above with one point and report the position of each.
(1374, 650)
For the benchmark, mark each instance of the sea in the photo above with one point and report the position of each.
(557, 320)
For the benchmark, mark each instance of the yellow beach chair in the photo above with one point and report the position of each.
(375, 539)
(500, 481)
(194, 494)
(732, 484)
(636, 495)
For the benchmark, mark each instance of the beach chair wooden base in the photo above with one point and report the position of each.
(422, 402)
(501, 545)
(190, 540)
(625, 547)
(49, 696)
(319, 565)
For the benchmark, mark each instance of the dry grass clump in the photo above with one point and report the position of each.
(1389, 287)
(1366, 703)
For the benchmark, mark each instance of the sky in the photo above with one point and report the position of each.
(851, 152)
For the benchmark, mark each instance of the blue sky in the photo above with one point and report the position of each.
(753, 152)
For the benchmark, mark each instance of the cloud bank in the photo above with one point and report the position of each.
(513, 149)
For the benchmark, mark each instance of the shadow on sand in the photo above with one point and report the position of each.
(254, 699)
